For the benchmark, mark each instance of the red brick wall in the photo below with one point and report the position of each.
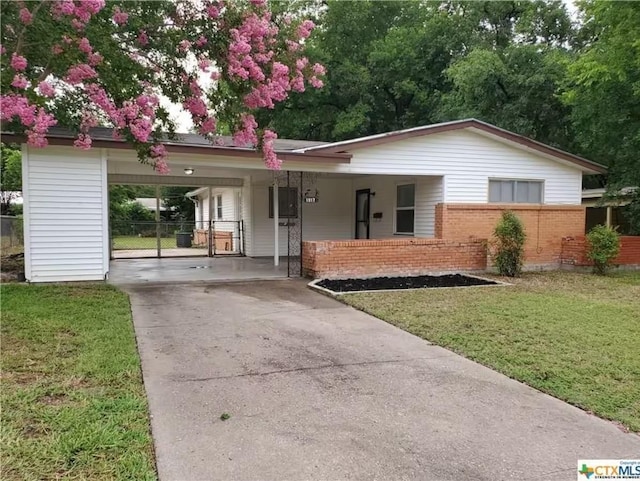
(545, 226)
(343, 259)
(574, 251)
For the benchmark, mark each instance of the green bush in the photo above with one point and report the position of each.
(604, 246)
(509, 245)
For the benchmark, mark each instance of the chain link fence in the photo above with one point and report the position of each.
(11, 234)
(183, 238)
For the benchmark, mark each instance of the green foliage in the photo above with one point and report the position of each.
(10, 179)
(604, 246)
(176, 201)
(603, 91)
(509, 245)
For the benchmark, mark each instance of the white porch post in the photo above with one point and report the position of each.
(276, 215)
(609, 215)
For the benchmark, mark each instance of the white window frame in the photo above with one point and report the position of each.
(396, 208)
(503, 179)
(219, 212)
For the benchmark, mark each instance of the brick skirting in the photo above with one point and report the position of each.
(357, 258)
(574, 251)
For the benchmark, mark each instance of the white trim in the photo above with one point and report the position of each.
(26, 217)
(106, 244)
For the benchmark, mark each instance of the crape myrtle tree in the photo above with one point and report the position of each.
(83, 63)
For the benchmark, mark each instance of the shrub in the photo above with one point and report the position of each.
(509, 245)
(604, 246)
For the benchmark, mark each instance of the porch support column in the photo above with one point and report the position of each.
(158, 232)
(609, 212)
(276, 218)
(211, 249)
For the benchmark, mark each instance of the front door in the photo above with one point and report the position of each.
(362, 213)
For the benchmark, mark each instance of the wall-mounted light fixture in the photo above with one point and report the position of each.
(189, 171)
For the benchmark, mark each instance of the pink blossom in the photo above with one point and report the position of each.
(13, 105)
(36, 135)
(18, 62)
(184, 45)
(213, 11)
(141, 129)
(63, 7)
(119, 16)
(268, 151)
(258, 3)
(25, 16)
(19, 82)
(95, 59)
(208, 126)
(57, 49)
(196, 106)
(319, 69)
(195, 88)
(77, 24)
(158, 150)
(45, 89)
(292, 46)
(301, 63)
(246, 135)
(161, 167)
(143, 39)
(297, 83)
(204, 64)
(287, 19)
(83, 142)
(215, 75)
(80, 72)
(85, 46)
(88, 121)
(316, 82)
(2, 49)
(202, 41)
(304, 30)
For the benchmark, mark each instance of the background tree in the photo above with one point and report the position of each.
(10, 179)
(603, 92)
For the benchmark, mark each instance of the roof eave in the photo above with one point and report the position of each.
(242, 152)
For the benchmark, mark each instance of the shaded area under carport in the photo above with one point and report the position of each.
(194, 269)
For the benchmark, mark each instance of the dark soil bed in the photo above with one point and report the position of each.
(415, 282)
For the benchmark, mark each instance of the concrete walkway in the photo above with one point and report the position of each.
(318, 390)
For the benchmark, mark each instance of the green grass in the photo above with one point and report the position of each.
(574, 336)
(73, 403)
(133, 242)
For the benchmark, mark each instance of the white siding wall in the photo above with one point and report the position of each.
(428, 194)
(66, 235)
(468, 160)
(330, 218)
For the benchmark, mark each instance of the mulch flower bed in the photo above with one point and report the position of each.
(414, 282)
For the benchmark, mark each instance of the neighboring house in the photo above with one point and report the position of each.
(601, 210)
(426, 194)
(150, 203)
(219, 211)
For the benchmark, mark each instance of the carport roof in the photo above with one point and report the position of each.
(287, 149)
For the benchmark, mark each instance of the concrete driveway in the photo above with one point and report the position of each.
(318, 390)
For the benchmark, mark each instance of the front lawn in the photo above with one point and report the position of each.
(73, 403)
(575, 336)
